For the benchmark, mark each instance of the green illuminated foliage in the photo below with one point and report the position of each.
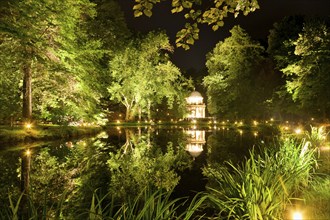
(198, 12)
(262, 186)
(143, 76)
(280, 38)
(42, 38)
(237, 75)
(307, 76)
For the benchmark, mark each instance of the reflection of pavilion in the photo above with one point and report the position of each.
(195, 105)
(196, 141)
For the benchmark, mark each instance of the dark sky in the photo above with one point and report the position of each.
(257, 24)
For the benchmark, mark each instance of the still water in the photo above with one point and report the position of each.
(122, 161)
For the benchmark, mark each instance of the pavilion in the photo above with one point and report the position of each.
(195, 105)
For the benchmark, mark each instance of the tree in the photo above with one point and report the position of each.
(280, 37)
(40, 33)
(198, 12)
(143, 75)
(281, 50)
(234, 84)
(9, 91)
(307, 77)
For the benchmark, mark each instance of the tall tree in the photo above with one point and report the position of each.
(234, 82)
(9, 90)
(280, 37)
(35, 33)
(308, 77)
(143, 75)
(198, 12)
(281, 50)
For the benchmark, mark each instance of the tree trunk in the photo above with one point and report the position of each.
(128, 113)
(140, 114)
(27, 93)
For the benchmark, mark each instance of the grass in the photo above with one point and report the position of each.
(264, 185)
(148, 205)
(43, 132)
(317, 199)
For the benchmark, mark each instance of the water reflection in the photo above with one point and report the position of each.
(195, 142)
(118, 162)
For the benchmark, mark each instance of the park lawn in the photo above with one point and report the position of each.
(44, 132)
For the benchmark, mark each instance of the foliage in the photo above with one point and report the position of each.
(198, 12)
(145, 205)
(262, 186)
(235, 81)
(280, 40)
(143, 76)
(10, 92)
(307, 77)
(47, 42)
(109, 26)
(316, 136)
(317, 198)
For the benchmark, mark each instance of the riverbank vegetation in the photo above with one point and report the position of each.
(31, 133)
(272, 182)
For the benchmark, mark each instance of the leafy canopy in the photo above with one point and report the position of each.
(232, 72)
(308, 76)
(143, 75)
(198, 12)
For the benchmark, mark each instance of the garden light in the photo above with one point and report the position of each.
(298, 130)
(28, 125)
(297, 216)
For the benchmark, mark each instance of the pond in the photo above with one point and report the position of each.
(120, 162)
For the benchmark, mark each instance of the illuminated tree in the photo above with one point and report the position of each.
(41, 34)
(281, 50)
(279, 38)
(10, 108)
(236, 79)
(143, 75)
(308, 77)
(198, 12)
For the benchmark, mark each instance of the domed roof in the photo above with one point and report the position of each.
(195, 94)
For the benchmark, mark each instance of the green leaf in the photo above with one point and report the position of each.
(215, 27)
(147, 12)
(190, 41)
(137, 7)
(137, 13)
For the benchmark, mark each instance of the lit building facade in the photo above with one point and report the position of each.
(195, 105)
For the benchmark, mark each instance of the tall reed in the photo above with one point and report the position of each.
(263, 185)
(148, 205)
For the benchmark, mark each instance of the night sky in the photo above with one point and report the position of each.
(257, 24)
